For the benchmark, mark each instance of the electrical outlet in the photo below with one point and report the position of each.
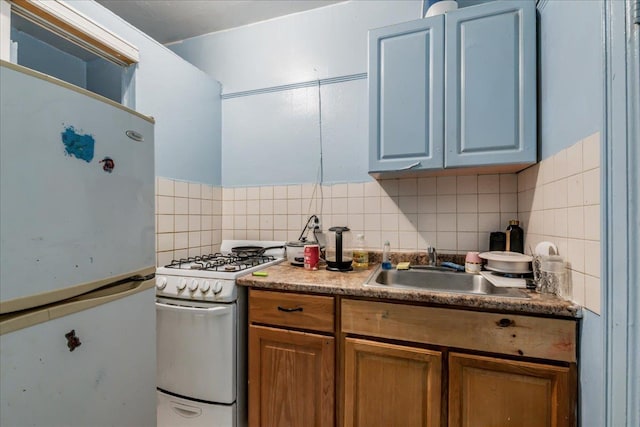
(316, 224)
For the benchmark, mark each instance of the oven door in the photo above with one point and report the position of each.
(196, 350)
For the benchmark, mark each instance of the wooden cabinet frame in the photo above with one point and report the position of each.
(425, 341)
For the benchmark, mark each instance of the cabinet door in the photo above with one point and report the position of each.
(406, 86)
(390, 385)
(291, 378)
(491, 85)
(486, 391)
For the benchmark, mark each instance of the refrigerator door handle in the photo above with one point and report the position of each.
(212, 311)
(186, 411)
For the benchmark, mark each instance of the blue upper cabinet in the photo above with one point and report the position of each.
(455, 91)
(490, 115)
(406, 87)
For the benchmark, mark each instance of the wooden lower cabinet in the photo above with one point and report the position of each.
(390, 385)
(291, 378)
(488, 391)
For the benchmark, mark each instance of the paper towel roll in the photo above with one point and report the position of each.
(546, 248)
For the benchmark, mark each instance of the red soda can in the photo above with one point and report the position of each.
(311, 257)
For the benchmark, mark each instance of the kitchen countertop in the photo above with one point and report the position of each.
(285, 277)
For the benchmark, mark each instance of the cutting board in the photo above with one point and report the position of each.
(504, 282)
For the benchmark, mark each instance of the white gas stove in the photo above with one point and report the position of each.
(212, 277)
(201, 327)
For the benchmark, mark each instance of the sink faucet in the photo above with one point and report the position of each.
(432, 256)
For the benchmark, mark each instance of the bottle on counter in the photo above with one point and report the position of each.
(514, 237)
(386, 256)
(360, 253)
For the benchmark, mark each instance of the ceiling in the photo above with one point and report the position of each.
(170, 21)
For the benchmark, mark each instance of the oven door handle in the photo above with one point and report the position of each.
(212, 311)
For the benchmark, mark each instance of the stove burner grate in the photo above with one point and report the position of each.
(220, 262)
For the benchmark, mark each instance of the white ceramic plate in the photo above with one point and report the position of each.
(504, 282)
(507, 262)
(498, 270)
(506, 256)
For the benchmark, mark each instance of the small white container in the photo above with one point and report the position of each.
(441, 7)
(473, 263)
(553, 277)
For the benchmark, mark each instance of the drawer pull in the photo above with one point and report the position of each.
(503, 323)
(289, 310)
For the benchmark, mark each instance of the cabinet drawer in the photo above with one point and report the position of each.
(312, 312)
(517, 335)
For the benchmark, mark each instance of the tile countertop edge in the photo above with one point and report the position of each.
(284, 277)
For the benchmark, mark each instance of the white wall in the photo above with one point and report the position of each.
(321, 43)
(39, 56)
(571, 108)
(184, 101)
(271, 135)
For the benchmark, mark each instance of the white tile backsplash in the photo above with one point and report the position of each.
(564, 208)
(488, 184)
(408, 187)
(181, 189)
(408, 211)
(189, 219)
(489, 203)
(467, 184)
(181, 206)
(557, 199)
(165, 205)
(426, 186)
(446, 185)
(467, 203)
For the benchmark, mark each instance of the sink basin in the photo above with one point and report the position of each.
(440, 279)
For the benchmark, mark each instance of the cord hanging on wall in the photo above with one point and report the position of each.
(320, 174)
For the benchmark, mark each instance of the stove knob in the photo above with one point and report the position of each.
(204, 288)
(217, 287)
(182, 284)
(193, 286)
(161, 282)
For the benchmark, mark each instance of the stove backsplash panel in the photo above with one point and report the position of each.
(454, 214)
(188, 219)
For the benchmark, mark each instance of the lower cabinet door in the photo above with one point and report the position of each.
(488, 391)
(291, 378)
(390, 385)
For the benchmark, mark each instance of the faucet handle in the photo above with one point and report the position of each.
(432, 255)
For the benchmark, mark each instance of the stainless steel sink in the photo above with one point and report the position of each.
(440, 279)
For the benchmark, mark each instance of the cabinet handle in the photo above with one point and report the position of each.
(289, 310)
(411, 166)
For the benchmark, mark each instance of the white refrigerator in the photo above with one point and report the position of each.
(77, 257)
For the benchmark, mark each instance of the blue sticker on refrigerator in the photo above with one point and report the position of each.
(77, 144)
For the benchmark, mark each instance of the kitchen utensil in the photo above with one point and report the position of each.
(295, 248)
(251, 251)
(515, 237)
(339, 254)
(497, 241)
(473, 263)
(507, 262)
(545, 248)
(502, 281)
(552, 278)
(295, 252)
